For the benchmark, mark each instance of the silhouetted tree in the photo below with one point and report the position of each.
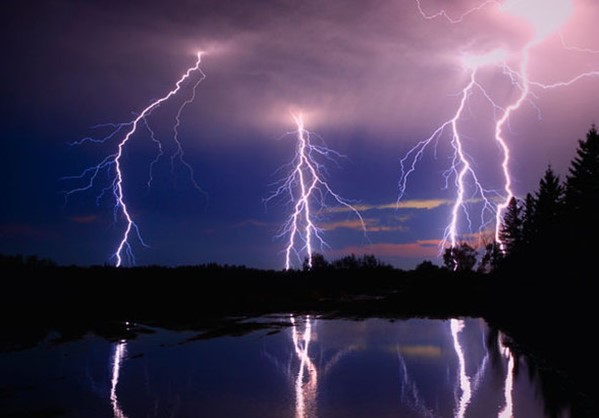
(550, 197)
(20, 261)
(369, 261)
(349, 262)
(426, 266)
(549, 209)
(491, 258)
(582, 183)
(528, 219)
(318, 262)
(582, 199)
(11, 261)
(511, 227)
(539, 245)
(518, 233)
(461, 257)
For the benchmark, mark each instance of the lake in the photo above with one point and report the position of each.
(301, 366)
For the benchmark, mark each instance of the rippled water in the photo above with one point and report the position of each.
(311, 368)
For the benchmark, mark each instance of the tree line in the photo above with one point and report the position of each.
(553, 229)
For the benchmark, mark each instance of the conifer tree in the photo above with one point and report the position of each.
(582, 201)
(511, 228)
(545, 252)
(582, 183)
(528, 217)
(549, 205)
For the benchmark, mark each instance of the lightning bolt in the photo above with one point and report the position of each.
(113, 163)
(468, 187)
(120, 350)
(305, 392)
(508, 409)
(409, 391)
(461, 169)
(460, 18)
(308, 376)
(465, 385)
(576, 48)
(307, 191)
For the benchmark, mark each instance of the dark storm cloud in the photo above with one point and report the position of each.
(363, 64)
(338, 61)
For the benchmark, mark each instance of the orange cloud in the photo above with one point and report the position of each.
(371, 225)
(422, 204)
(427, 204)
(420, 350)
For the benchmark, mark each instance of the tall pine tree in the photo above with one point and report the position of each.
(546, 244)
(511, 227)
(582, 183)
(528, 218)
(582, 202)
(549, 205)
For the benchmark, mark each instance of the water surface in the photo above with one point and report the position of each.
(310, 368)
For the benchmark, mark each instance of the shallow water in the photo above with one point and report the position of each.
(311, 368)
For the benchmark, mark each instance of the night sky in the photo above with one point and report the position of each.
(371, 79)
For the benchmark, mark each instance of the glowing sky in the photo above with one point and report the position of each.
(372, 78)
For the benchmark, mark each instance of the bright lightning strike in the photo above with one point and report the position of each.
(457, 325)
(306, 377)
(461, 168)
(113, 163)
(305, 391)
(508, 409)
(120, 350)
(307, 190)
(545, 17)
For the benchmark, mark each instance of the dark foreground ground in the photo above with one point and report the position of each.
(551, 322)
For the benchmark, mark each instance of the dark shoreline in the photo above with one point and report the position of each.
(548, 323)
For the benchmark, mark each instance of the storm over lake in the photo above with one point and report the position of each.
(306, 367)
